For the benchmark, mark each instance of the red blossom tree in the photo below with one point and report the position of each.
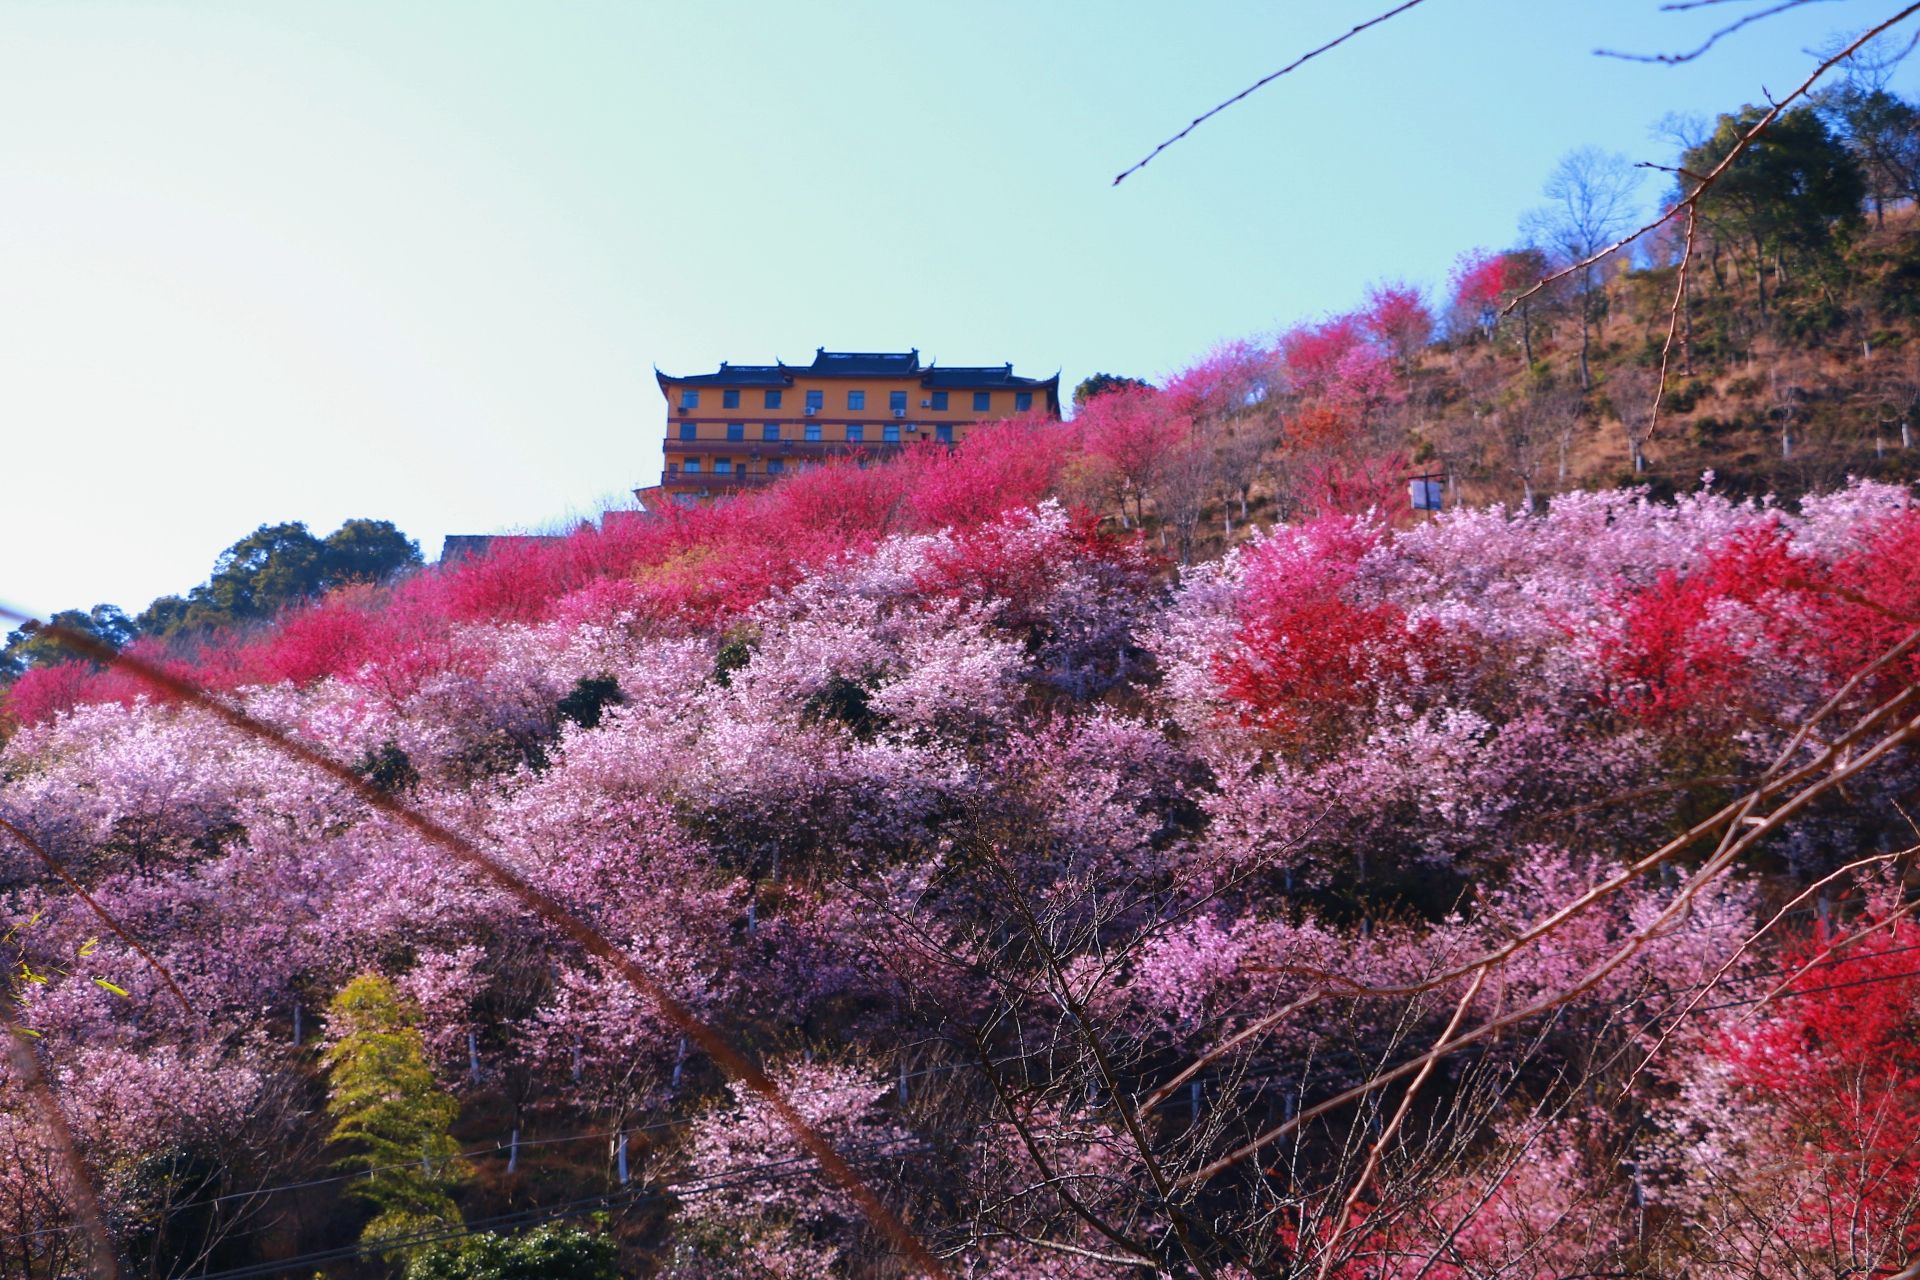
(1135, 430)
(1398, 318)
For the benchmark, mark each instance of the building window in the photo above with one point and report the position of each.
(775, 466)
(689, 399)
(982, 401)
(943, 433)
(691, 466)
(813, 430)
(816, 400)
(890, 434)
(729, 399)
(856, 434)
(723, 466)
(939, 399)
(856, 399)
(897, 401)
(773, 399)
(1022, 401)
(771, 431)
(688, 431)
(736, 431)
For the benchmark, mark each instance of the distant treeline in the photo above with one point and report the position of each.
(263, 573)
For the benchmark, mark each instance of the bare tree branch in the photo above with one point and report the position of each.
(102, 1262)
(541, 904)
(106, 917)
(1262, 83)
(1674, 59)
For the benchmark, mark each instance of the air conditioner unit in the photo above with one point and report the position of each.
(926, 404)
(812, 409)
(899, 413)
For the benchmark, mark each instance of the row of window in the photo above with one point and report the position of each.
(856, 432)
(857, 399)
(724, 467)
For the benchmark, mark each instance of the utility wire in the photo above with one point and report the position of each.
(724, 1180)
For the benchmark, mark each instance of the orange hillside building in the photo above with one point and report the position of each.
(748, 424)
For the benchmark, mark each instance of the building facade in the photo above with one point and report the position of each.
(747, 425)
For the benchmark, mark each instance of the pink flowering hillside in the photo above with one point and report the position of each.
(1503, 894)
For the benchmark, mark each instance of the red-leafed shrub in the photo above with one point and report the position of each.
(337, 635)
(44, 692)
(1024, 558)
(1872, 600)
(1311, 644)
(1135, 432)
(1834, 1069)
(1684, 641)
(515, 582)
(1356, 485)
(1481, 279)
(1397, 317)
(998, 467)
(1313, 353)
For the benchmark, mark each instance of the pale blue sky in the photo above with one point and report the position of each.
(269, 261)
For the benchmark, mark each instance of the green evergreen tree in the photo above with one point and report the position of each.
(545, 1253)
(30, 645)
(1101, 383)
(1787, 196)
(386, 1106)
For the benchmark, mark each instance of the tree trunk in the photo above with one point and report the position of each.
(1686, 331)
(1586, 325)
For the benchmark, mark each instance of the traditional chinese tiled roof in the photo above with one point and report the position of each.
(732, 375)
(981, 376)
(859, 364)
(862, 364)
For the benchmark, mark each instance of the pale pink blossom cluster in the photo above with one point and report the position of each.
(994, 795)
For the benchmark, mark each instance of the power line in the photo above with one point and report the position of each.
(495, 1148)
(724, 1180)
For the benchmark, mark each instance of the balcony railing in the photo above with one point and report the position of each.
(675, 478)
(794, 448)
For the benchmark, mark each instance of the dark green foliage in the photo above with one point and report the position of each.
(1682, 398)
(1898, 291)
(1101, 383)
(1786, 194)
(280, 565)
(189, 1182)
(544, 1253)
(1810, 320)
(1707, 429)
(589, 697)
(847, 702)
(1883, 132)
(30, 646)
(735, 654)
(498, 752)
(388, 769)
(368, 551)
